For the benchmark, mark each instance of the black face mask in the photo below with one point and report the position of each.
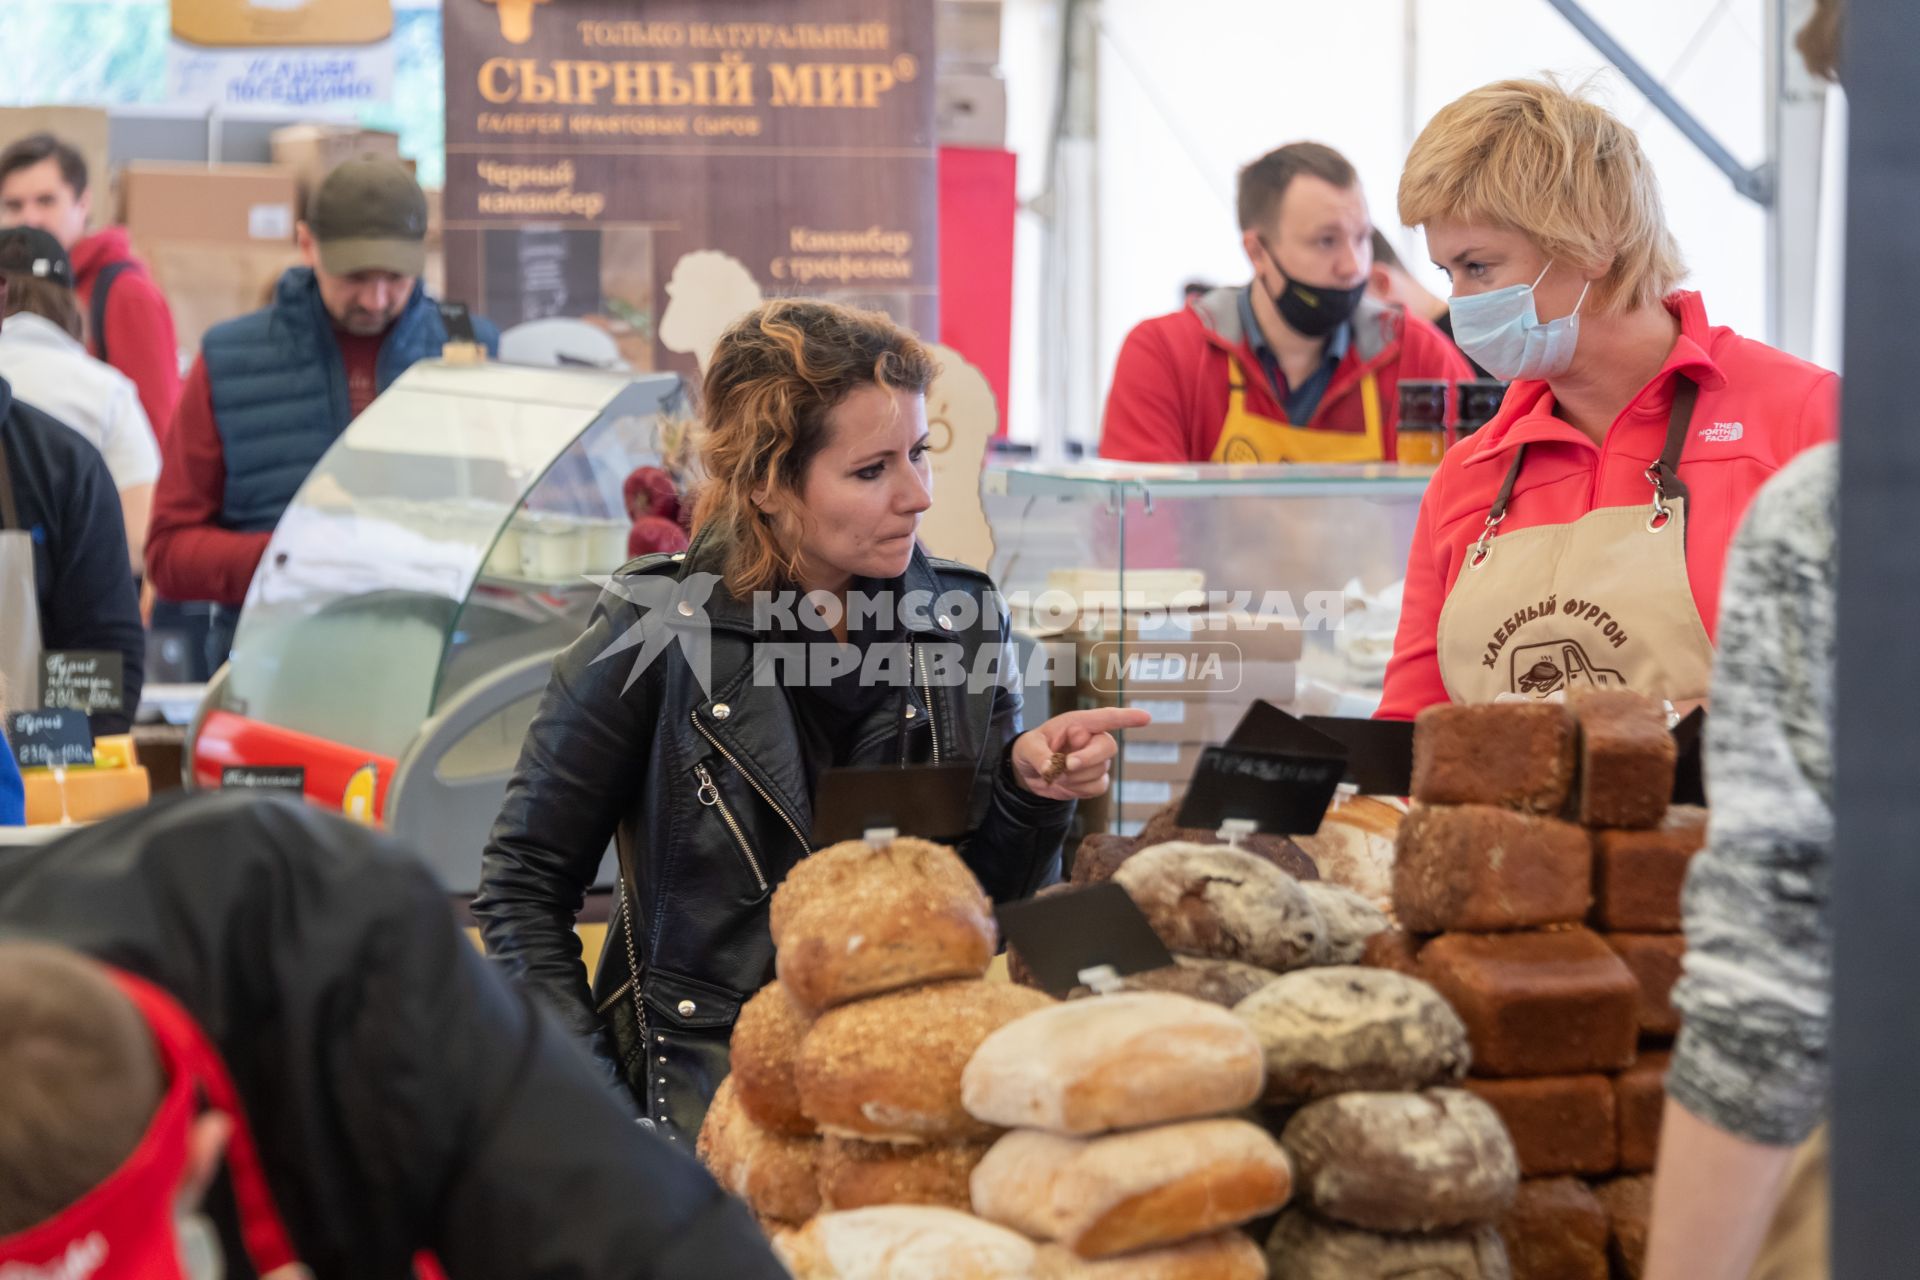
(1309, 309)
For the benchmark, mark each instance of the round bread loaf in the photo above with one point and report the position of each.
(1125, 1191)
(1225, 1255)
(854, 920)
(1349, 921)
(1209, 900)
(774, 1173)
(888, 1069)
(766, 1044)
(904, 1242)
(1116, 1062)
(1222, 982)
(1346, 1028)
(1305, 1247)
(1099, 855)
(1282, 851)
(1403, 1161)
(1354, 847)
(856, 1174)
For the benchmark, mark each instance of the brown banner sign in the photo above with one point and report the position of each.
(655, 167)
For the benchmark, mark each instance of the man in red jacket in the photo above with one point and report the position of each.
(1298, 366)
(43, 183)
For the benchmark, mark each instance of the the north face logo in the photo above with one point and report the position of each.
(1722, 432)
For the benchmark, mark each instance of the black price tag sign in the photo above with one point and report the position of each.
(1379, 752)
(929, 801)
(1063, 935)
(87, 681)
(1281, 794)
(1689, 778)
(264, 777)
(44, 739)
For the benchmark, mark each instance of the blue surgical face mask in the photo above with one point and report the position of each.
(1503, 333)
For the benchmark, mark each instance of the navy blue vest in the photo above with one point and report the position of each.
(279, 391)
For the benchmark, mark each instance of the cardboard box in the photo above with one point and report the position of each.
(970, 109)
(1159, 761)
(312, 151)
(1181, 720)
(967, 33)
(230, 204)
(208, 283)
(1146, 793)
(85, 129)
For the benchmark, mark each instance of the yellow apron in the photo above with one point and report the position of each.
(1248, 437)
(1601, 603)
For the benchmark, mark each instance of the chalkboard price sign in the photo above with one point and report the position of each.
(86, 681)
(44, 739)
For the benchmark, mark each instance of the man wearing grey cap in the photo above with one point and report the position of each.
(272, 390)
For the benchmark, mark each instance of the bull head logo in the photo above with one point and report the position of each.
(516, 18)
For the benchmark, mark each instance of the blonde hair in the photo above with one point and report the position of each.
(776, 374)
(1529, 156)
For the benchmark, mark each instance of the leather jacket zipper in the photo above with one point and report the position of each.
(633, 984)
(926, 692)
(759, 790)
(709, 795)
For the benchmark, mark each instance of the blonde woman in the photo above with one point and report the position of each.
(1578, 539)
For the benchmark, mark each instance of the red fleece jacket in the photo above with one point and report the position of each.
(138, 323)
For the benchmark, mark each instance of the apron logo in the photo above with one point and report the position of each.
(1723, 432)
(1539, 670)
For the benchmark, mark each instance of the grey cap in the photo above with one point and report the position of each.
(370, 215)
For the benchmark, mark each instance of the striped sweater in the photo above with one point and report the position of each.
(1757, 990)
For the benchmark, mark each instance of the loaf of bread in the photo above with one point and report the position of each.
(765, 1046)
(1354, 846)
(774, 1173)
(1654, 959)
(1226, 1255)
(1480, 869)
(904, 1242)
(1116, 1062)
(1629, 1206)
(1282, 851)
(1347, 920)
(854, 921)
(888, 1069)
(1627, 758)
(1639, 1099)
(1638, 875)
(1335, 1030)
(1209, 900)
(1125, 1191)
(1537, 1004)
(1559, 1124)
(1556, 1230)
(1402, 1161)
(1516, 755)
(1306, 1247)
(856, 1174)
(1099, 856)
(1222, 982)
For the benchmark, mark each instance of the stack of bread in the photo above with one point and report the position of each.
(845, 1083)
(1533, 821)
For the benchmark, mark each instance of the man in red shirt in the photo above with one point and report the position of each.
(43, 183)
(271, 391)
(1297, 366)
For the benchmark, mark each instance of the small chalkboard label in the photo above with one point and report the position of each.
(929, 801)
(87, 681)
(1064, 935)
(1689, 778)
(1379, 752)
(264, 777)
(45, 739)
(1281, 794)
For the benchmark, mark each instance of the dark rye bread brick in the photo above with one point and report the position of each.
(1304, 1246)
(1402, 1161)
(1480, 869)
(1639, 1099)
(1516, 755)
(1538, 1004)
(1654, 959)
(1627, 758)
(1629, 1206)
(1556, 1230)
(1638, 875)
(1559, 1124)
(1339, 1029)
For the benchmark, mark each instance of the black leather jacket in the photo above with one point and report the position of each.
(705, 793)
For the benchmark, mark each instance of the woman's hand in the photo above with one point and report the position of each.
(1085, 738)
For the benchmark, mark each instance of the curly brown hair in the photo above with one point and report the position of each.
(776, 375)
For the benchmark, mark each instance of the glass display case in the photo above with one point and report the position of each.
(1317, 551)
(412, 597)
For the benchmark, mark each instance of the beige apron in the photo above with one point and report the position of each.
(19, 604)
(1601, 603)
